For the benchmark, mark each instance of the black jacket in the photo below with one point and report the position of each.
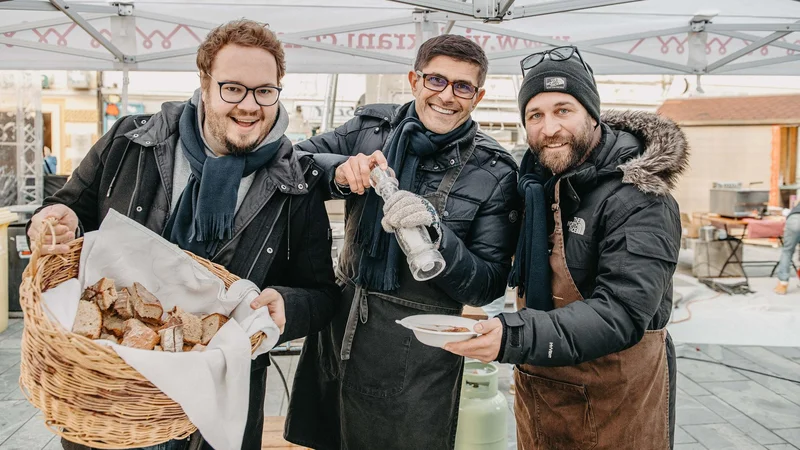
(621, 237)
(281, 230)
(480, 221)
(369, 383)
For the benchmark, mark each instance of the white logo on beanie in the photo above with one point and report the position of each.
(555, 83)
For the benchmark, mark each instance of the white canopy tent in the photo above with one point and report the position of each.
(380, 36)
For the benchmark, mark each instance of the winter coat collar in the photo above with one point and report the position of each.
(649, 150)
(394, 114)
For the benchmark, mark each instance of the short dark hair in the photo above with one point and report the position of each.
(456, 47)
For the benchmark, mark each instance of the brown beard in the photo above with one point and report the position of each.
(218, 128)
(580, 146)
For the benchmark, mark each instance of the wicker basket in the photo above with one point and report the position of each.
(86, 392)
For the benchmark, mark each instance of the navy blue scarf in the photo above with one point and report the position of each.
(531, 271)
(381, 254)
(204, 214)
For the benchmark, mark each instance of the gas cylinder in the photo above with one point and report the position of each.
(483, 410)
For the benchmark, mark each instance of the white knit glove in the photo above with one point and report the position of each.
(405, 209)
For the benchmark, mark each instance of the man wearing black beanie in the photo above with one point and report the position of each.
(594, 264)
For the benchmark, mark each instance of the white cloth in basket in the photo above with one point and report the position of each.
(211, 386)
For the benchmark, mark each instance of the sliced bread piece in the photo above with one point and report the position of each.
(103, 292)
(113, 324)
(89, 320)
(123, 305)
(211, 324)
(192, 325)
(172, 339)
(109, 337)
(146, 306)
(137, 335)
(158, 348)
(198, 348)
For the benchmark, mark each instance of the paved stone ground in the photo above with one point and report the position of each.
(719, 407)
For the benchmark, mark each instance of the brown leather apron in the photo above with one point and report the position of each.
(616, 402)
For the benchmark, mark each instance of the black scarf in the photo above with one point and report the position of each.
(381, 255)
(204, 214)
(531, 270)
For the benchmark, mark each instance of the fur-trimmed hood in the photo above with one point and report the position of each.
(656, 169)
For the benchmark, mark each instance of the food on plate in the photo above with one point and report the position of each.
(457, 330)
(89, 320)
(139, 335)
(211, 324)
(146, 306)
(444, 328)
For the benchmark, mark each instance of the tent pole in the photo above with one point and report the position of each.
(125, 81)
(329, 108)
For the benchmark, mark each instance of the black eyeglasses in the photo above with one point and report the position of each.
(439, 83)
(555, 54)
(231, 92)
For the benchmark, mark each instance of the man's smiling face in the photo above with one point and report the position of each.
(442, 112)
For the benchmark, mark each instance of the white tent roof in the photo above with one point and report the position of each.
(379, 36)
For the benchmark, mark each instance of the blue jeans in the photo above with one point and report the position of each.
(791, 237)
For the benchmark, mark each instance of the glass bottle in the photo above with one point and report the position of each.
(423, 258)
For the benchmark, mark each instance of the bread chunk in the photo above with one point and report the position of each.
(109, 337)
(123, 306)
(137, 335)
(146, 306)
(113, 324)
(172, 339)
(192, 325)
(211, 324)
(103, 293)
(89, 320)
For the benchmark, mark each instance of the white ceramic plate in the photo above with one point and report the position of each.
(423, 326)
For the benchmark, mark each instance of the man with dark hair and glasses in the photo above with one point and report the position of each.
(365, 382)
(217, 176)
(593, 268)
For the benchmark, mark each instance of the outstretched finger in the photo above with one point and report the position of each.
(378, 159)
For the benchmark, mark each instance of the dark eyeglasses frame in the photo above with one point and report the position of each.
(529, 62)
(247, 91)
(425, 76)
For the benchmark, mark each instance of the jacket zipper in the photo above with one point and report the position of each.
(244, 227)
(246, 224)
(138, 180)
(119, 167)
(266, 239)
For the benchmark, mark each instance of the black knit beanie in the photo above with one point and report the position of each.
(568, 76)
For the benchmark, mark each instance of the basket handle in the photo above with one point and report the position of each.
(50, 224)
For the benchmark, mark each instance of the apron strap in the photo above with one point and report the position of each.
(439, 198)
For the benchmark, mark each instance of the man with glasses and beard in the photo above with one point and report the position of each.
(593, 267)
(365, 382)
(217, 176)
